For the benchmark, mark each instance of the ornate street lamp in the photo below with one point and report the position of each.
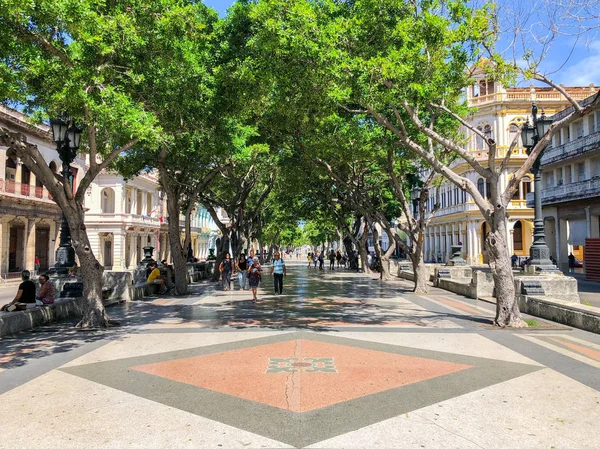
(530, 135)
(67, 140)
(415, 196)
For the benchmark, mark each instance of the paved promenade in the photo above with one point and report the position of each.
(340, 360)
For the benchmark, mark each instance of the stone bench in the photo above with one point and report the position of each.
(12, 322)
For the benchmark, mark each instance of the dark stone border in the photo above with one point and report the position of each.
(300, 429)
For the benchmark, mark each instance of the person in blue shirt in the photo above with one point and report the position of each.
(278, 270)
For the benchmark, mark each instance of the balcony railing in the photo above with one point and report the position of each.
(527, 96)
(19, 189)
(571, 149)
(589, 188)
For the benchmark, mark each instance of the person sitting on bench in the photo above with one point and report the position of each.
(156, 278)
(25, 297)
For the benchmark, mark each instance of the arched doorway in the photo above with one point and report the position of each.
(42, 245)
(16, 246)
(518, 243)
(107, 201)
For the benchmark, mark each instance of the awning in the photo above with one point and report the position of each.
(577, 232)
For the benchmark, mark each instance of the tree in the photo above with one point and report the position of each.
(410, 78)
(50, 64)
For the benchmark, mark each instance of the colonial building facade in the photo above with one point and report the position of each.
(499, 114)
(29, 219)
(571, 181)
(121, 216)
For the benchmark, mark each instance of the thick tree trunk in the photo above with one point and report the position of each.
(94, 313)
(507, 309)
(179, 259)
(362, 251)
(221, 250)
(419, 270)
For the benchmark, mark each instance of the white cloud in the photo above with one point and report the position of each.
(584, 68)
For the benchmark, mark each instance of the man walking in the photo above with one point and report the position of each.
(278, 270)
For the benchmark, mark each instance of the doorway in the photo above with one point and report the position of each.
(42, 244)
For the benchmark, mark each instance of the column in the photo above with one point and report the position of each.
(588, 222)
(144, 209)
(478, 248)
(448, 242)
(132, 250)
(510, 243)
(117, 249)
(3, 258)
(29, 244)
(133, 201)
(120, 198)
(595, 225)
(562, 245)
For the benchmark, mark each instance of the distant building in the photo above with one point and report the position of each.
(571, 181)
(29, 219)
(499, 114)
(121, 216)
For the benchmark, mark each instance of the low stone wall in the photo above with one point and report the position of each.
(564, 312)
(117, 286)
(461, 288)
(12, 322)
(554, 286)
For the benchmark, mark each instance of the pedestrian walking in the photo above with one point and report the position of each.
(571, 262)
(226, 268)
(278, 270)
(315, 259)
(331, 260)
(36, 264)
(338, 257)
(254, 276)
(242, 268)
(310, 257)
(321, 260)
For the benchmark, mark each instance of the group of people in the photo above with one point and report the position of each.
(250, 270)
(332, 256)
(26, 297)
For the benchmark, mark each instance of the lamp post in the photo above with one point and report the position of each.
(415, 196)
(530, 135)
(67, 140)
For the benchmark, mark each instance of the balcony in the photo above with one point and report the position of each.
(587, 189)
(527, 96)
(19, 190)
(571, 149)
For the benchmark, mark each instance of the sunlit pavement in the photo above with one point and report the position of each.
(340, 360)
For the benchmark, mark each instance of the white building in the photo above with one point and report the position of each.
(121, 216)
(571, 180)
(499, 114)
(29, 219)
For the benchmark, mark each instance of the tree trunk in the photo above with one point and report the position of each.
(221, 250)
(362, 251)
(179, 259)
(94, 313)
(507, 309)
(419, 271)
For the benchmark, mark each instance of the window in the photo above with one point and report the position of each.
(526, 186)
(456, 196)
(479, 139)
(579, 128)
(488, 190)
(107, 201)
(513, 129)
(596, 163)
(591, 124)
(559, 177)
(443, 199)
(580, 171)
(518, 236)
(487, 131)
(568, 177)
(480, 186)
(568, 130)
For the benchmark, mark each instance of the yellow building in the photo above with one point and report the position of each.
(499, 114)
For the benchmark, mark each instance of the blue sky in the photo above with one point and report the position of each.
(570, 61)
